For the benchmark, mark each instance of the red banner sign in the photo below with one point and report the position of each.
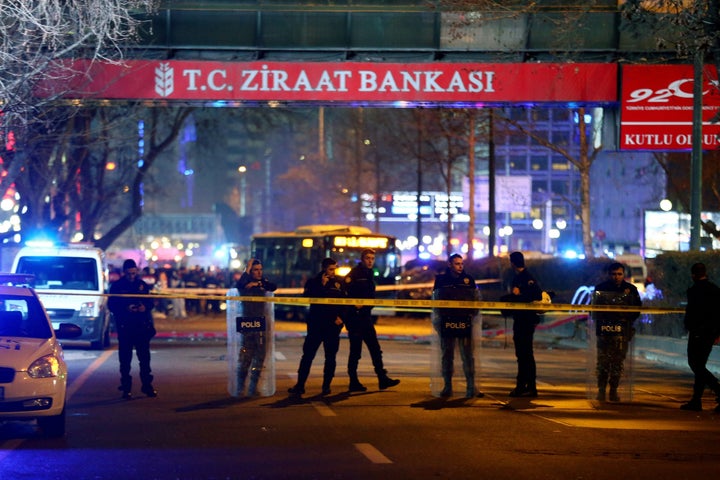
(348, 82)
(657, 107)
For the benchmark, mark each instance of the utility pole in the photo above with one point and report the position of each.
(696, 158)
(418, 221)
(491, 184)
(471, 188)
(321, 137)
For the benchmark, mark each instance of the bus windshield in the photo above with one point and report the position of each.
(289, 259)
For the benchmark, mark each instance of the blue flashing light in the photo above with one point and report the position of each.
(40, 238)
(38, 243)
(221, 253)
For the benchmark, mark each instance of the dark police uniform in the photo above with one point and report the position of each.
(614, 331)
(135, 329)
(360, 283)
(321, 329)
(253, 346)
(455, 324)
(524, 323)
(703, 325)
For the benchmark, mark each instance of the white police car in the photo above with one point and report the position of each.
(33, 373)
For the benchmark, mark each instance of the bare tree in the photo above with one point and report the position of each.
(37, 36)
(37, 40)
(685, 26)
(448, 150)
(87, 167)
(162, 127)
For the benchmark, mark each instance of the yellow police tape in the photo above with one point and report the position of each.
(403, 304)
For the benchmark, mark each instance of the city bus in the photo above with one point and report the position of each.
(290, 258)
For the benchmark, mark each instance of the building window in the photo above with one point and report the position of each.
(560, 164)
(538, 163)
(559, 187)
(518, 163)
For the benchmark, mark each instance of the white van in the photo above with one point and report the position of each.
(71, 280)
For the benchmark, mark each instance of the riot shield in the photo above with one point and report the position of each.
(610, 348)
(251, 345)
(455, 344)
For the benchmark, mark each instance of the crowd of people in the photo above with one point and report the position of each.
(613, 329)
(162, 278)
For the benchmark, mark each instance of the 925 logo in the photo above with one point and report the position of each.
(678, 88)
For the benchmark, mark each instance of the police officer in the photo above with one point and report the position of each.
(253, 347)
(703, 328)
(524, 289)
(360, 283)
(134, 322)
(614, 330)
(324, 324)
(456, 324)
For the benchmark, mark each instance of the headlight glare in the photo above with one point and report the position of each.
(87, 309)
(44, 367)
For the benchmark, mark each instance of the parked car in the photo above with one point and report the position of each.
(33, 373)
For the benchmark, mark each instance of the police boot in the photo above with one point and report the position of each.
(296, 390)
(447, 388)
(126, 387)
(602, 383)
(299, 388)
(326, 386)
(386, 382)
(694, 405)
(149, 390)
(355, 385)
(240, 384)
(252, 386)
(470, 390)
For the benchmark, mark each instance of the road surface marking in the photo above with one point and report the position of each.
(323, 409)
(372, 453)
(75, 386)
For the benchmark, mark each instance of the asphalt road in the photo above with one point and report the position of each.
(195, 430)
